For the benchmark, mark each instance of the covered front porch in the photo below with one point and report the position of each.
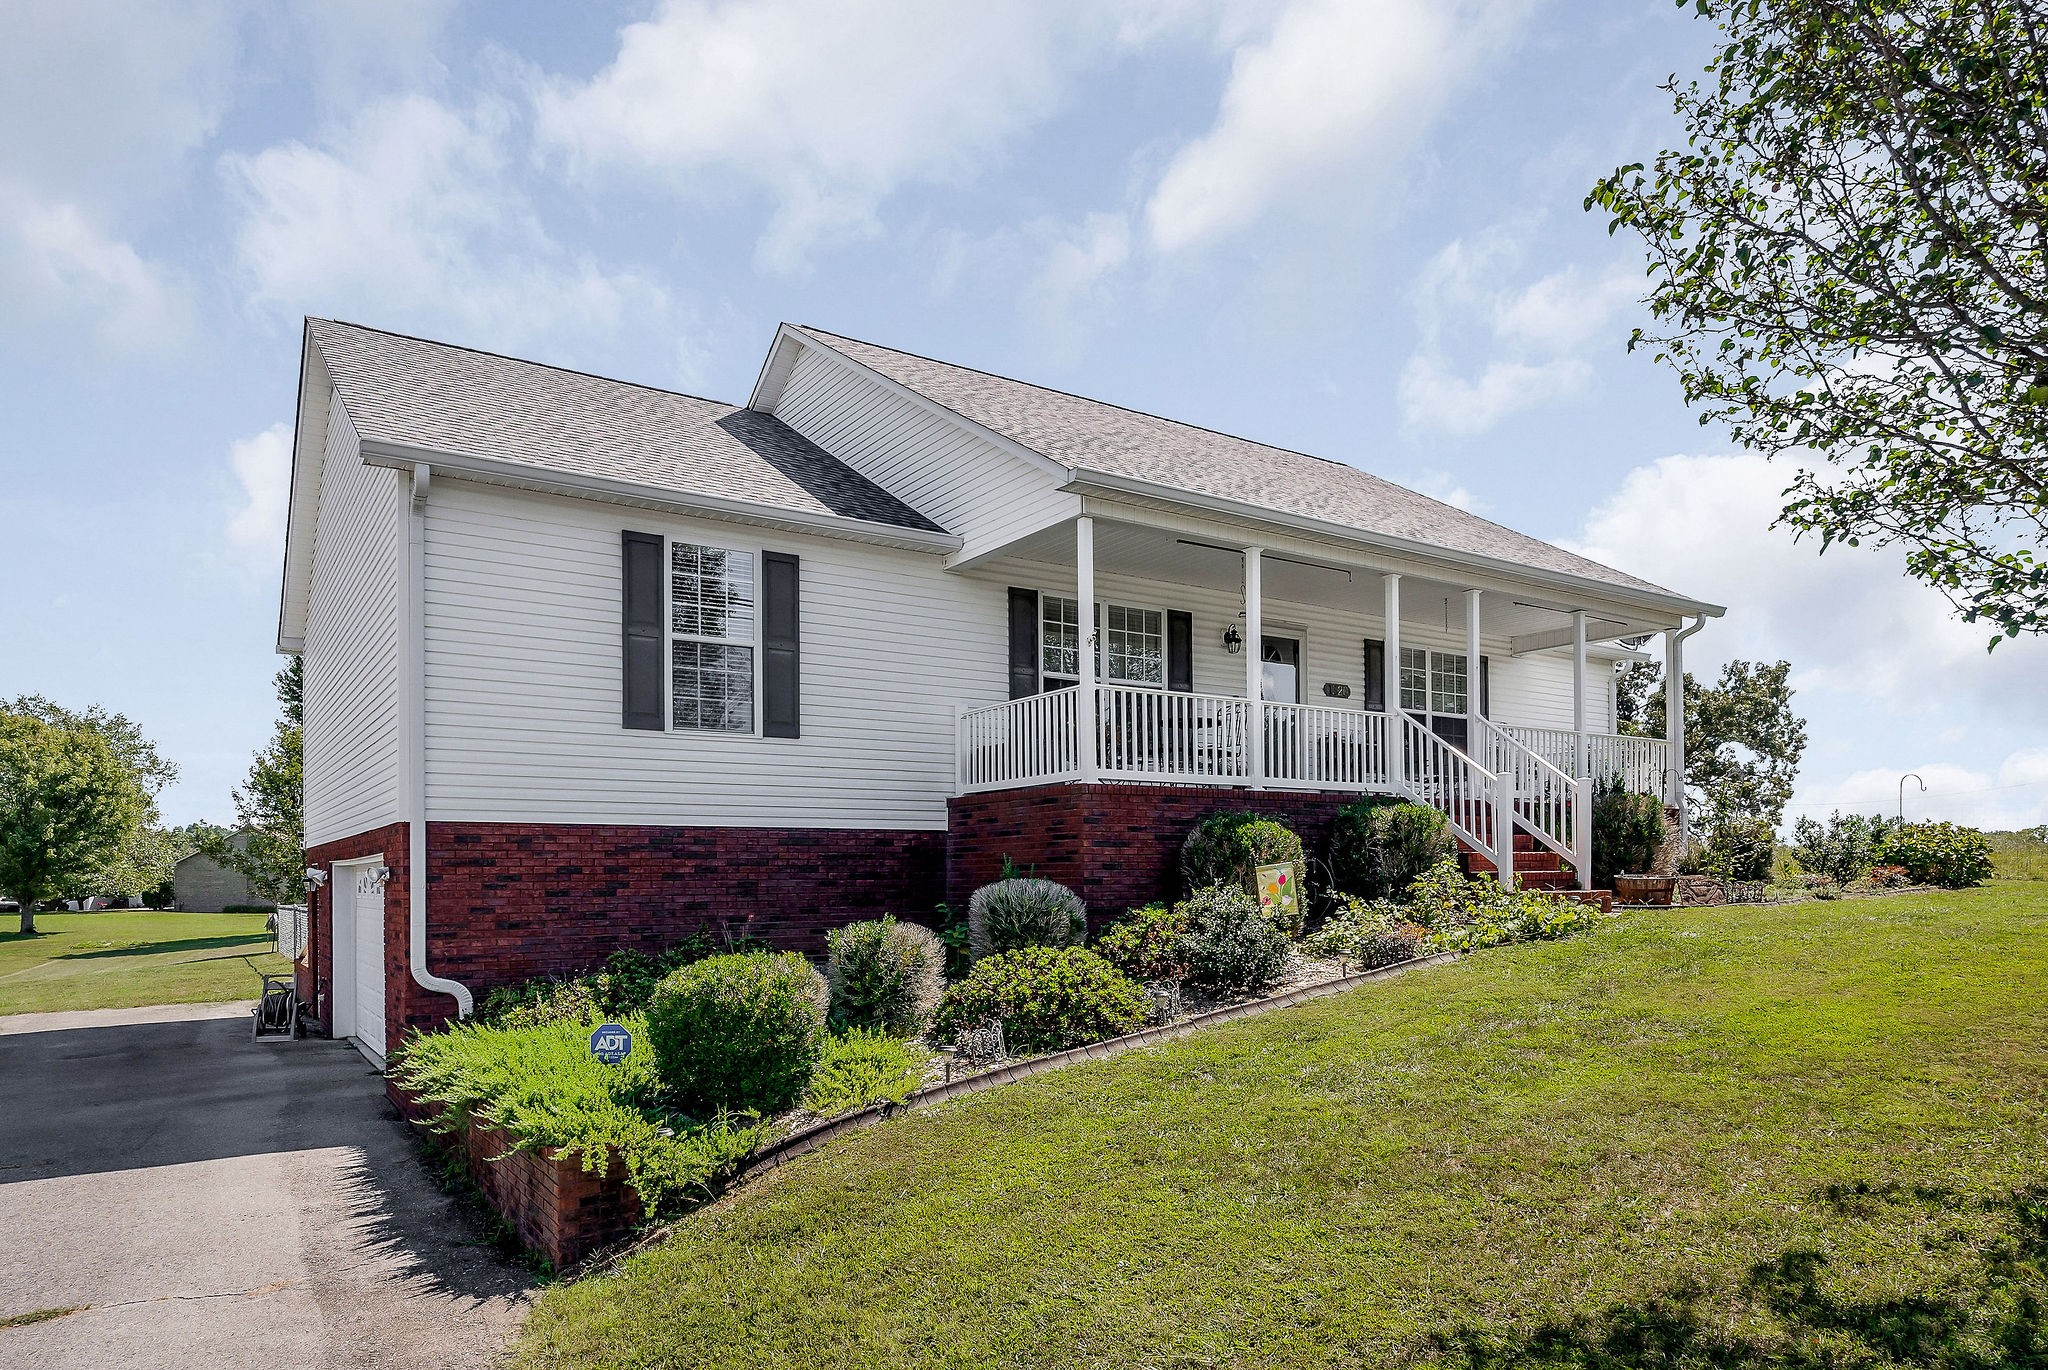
(1277, 673)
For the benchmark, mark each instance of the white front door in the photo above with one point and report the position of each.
(359, 956)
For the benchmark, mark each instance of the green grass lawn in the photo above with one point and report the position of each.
(1806, 1135)
(122, 958)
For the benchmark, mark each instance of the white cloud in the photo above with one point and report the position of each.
(57, 262)
(410, 209)
(827, 106)
(1434, 397)
(2014, 794)
(262, 466)
(1888, 677)
(1334, 85)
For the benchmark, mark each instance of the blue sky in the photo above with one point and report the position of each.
(1347, 226)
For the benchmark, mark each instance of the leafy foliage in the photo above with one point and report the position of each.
(1843, 849)
(1232, 945)
(1945, 854)
(2020, 855)
(1742, 741)
(1741, 848)
(1046, 998)
(270, 803)
(541, 1086)
(1845, 259)
(1229, 848)
(859, 1068)
(1628, 830)
(1024, 912)
(68, 801)
(1148, 943)
(1368, 932)
(740, 1032)
(1379, 846)
(534, 1003)
(1465, 913)
(884, 975)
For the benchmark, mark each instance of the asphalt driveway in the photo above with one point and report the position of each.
(204, 1200)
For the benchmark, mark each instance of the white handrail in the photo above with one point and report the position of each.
(1476, 801)
(1549, 804)
(1642, 764)
(1028, 741)
(1171, 735)
(1311, 747)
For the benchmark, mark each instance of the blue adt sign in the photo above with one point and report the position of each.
(611, 1044)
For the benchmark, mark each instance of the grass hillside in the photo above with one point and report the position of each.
(1806, 1135)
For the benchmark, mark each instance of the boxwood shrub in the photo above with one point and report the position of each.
(1378, 846)
(1228, 849)
(1147, 944)
(884, 976)
(1025, 912)
(738, 1032)
(1945, 854)
(1046, 998)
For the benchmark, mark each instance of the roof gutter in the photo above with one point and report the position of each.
(1084, 481)
(491, 471)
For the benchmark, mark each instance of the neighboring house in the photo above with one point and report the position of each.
(590, 664)
(200, 884)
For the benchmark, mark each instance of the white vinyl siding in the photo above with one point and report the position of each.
(957, 478)
(353, 763)
(523, 677)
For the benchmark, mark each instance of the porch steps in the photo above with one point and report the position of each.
(1538, 867)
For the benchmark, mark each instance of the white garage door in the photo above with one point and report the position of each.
(366, 949)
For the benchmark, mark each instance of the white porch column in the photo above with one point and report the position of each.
(1087, 741)
(1254, 658)
(1579, 691)
(1674, 724)
(1473, 717)
(1392, 582)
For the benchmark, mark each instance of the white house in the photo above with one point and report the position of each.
(590, 664)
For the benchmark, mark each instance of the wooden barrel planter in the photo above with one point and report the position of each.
(1645, 889)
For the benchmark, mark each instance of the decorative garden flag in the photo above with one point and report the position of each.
(1278, 893)
(611, 1044)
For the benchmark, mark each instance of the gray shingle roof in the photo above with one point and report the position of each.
(452, 399)
(1094, 437)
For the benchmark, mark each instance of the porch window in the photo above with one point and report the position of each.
(1433, 682)
(1134, 639)
(711, 638)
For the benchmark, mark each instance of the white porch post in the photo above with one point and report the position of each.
(1473, 717)
(1579, 692)
(1087, 742)
(1254, 659)
(1397, 747)
(1674, 725)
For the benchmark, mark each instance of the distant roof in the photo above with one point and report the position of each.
(459, 401)
(1090, 436)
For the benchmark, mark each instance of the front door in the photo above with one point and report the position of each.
(1280, 670)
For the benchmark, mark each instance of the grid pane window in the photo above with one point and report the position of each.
(1415, 679)
(711, 655)
(1060, 636)
(1137, 645)
(1446, 683)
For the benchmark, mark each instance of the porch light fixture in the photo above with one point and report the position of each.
(315, 877)
(1233, 640)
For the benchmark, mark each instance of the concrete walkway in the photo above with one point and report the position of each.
(206, 1200)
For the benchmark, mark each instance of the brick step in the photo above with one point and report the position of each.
(1525, 863)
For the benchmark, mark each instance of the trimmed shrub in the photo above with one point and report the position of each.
(1378, 846)
(738, 1032)
(1628, 829)
(1147, 944)
(1232, 946)
(860, 1068)
(1945, 854)
(1046, 998)
(1229, 848)
(884, 976)
(1369, 933)
(1741, 849)
(1017, 913)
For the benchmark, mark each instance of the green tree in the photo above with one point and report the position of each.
(270, 804)
(1743, 742)
(1846, 261)
(68, 800)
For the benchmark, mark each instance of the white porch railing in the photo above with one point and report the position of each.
(1476, 800)
(1642, 763)
(1171, 736)
(1309, 747)
(1029, 741)
(1548, 803)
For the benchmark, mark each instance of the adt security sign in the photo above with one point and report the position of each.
(611, 1044)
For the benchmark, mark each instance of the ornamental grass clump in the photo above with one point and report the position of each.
(1012, 914)
(741, 1033)
(884, 976)
(1147, 944)
(1046, 998)
(541, 1087)
(1378, 846)
(1232, 946)
(1229, 848)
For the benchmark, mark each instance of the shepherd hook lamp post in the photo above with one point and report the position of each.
(1909, 775)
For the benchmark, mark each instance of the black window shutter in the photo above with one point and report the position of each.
(1485, 692)
(1023, 643)
(1180, 650)
(640, 612)
(781, 651)
(1375, 675)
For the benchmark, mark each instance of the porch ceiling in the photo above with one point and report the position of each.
(1182, 558)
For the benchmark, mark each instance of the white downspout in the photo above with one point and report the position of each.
(416, 747)
(1674, 718)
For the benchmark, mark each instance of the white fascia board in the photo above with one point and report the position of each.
(309, 455)
(1057, 470)
(775, 369)
(488, 471)
(1574, 588)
